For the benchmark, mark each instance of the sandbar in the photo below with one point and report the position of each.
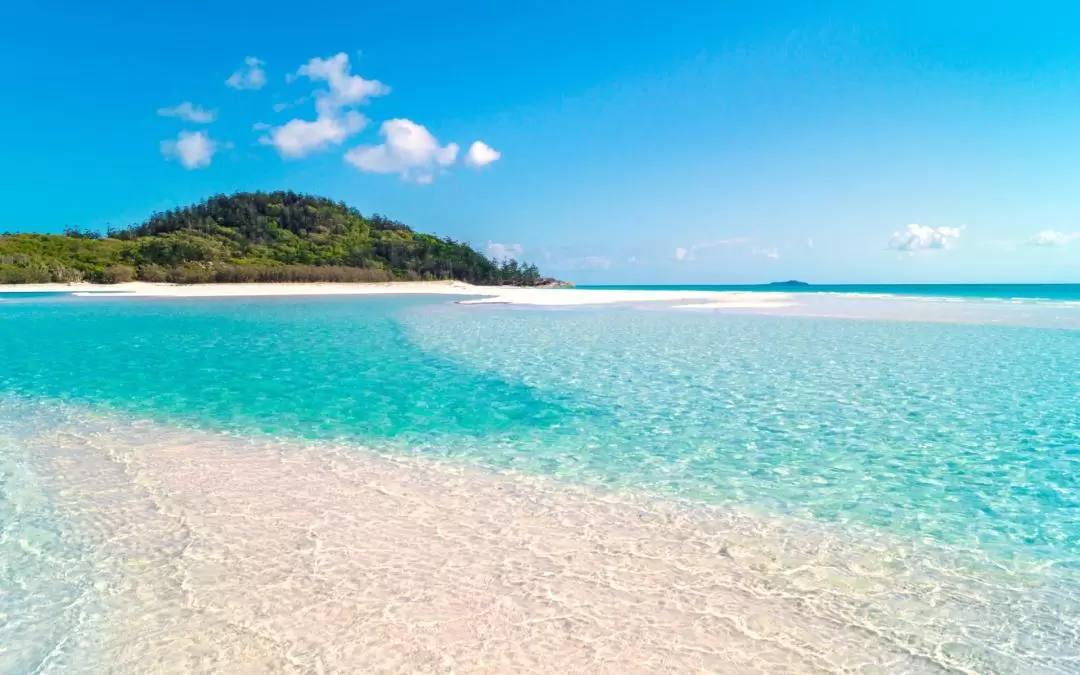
(506, 295)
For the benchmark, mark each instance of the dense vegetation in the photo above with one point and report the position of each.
(258, 236)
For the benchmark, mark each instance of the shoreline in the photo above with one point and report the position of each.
(823, 305)
(503, 295)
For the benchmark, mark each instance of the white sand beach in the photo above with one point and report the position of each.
(506, 295)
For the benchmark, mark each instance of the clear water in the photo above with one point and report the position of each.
(978, 291)
(957, 444)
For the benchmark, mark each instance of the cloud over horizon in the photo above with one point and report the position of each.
(690, 252)
(582, 263)
(500, 251)
(915, 238)
(1053, 238)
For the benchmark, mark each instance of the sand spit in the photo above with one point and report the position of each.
(505, 295)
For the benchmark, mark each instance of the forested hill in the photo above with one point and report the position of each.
(256, 236)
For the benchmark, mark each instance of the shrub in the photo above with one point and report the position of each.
(190, 274)
(24, 275)
(63, 274)
(296, 274)
(117, 274)
(153, 273)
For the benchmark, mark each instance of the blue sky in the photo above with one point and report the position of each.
(678, 142)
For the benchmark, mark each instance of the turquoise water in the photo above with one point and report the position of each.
(981, 291)
(32, 295)
(965, 435)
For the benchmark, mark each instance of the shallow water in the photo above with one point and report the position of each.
(1059, 292)
(387, 484)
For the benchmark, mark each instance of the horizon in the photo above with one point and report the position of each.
(844, 143)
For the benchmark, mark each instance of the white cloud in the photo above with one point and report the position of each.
(770, 253)
(346, 89)
(504, 251)
(333, 122)
(260, 126)
(410, 150)
(298, 138)
(809, 243)
(193, 149)
(189, 112)
(690, 252)
(923, 238)
(1053, 238)
(251, 76)
(481, 154)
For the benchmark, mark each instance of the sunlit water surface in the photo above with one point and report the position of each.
(388, 484)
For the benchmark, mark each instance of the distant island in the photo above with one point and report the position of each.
(789, 282)
(255, 237)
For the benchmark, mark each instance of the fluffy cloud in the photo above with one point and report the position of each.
(690, 252)
(770, 253)
(334, 122)
(299, 138)
(189, 113)
(193, 149)
(504, 251)
(1053, 238)
(481, 154)
(346, 89)
(409, 150)
(923, 238)
(251, 76)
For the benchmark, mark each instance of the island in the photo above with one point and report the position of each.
(256, 237)
(789, 282)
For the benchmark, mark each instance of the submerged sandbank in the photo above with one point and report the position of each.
(1019, 312)
(228, 554)
(507, 295)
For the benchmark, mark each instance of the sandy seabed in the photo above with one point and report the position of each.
(217, 553)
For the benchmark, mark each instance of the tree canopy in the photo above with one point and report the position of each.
(254, 236)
